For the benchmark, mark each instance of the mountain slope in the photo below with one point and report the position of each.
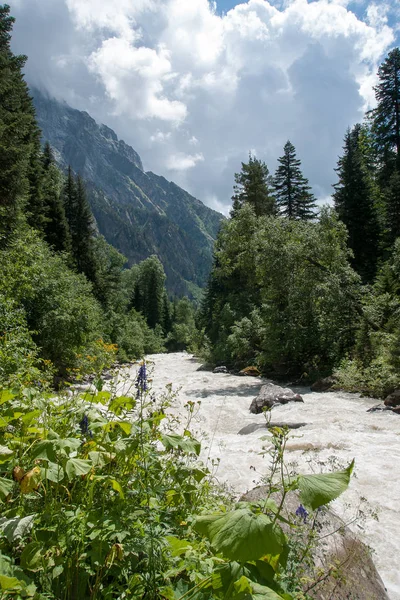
(137, 212)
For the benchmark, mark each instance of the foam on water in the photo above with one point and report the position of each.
(337, 425)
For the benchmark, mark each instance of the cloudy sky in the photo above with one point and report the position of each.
(195, 85)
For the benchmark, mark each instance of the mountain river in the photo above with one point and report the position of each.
(338, 429)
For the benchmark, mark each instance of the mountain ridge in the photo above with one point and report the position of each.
(140, 213)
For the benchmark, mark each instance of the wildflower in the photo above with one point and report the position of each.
(302, 513)
(141, 381)
(84, 426)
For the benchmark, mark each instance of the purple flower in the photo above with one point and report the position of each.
(302, 513)
(141, 381)
(84, 426)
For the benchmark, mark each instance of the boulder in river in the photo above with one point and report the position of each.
(346, 560)
(272, 394)
(252, 427)
(250, 372)
(324, 385)
(220, 370)
(205, 367)
(393, 399)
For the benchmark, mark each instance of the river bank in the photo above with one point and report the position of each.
(338, 429)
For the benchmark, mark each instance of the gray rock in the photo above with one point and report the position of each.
(220, 370)
(252, 427)
(354, 575)
(324, 385)
(205, 367)
(393, 399)
(270, 395)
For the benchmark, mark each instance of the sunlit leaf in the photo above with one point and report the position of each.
(318, 490)
(6, 396)
(117, 487)
(10, 583)
(177, 546)
(98, 397)
(117, 405)
(241, 534)
(30, 416)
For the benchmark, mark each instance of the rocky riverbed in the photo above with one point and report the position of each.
(338, 428)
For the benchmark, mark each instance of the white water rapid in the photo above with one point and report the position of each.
(338, 425)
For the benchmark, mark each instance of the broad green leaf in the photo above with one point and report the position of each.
(16, 527)
(261, 592)
(30, 416)
(44, 449)
(77, 466)
(10, 583)
(242, 586)
(117, 487)
(178, 546)
(224, 575)
(6, 396)
(67, 444)
(53, 472)
(31, 557)
(126, 427)
(185, 444)
(317, 490)
(241, 534)
(100, 397)
(6, 487)
(117, 405)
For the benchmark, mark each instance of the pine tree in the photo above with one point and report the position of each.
(166, 315)
(151, 285)
(82, 234)
(386, 116)
(56, 228)
(292, 192)
(81, 226)
(355, 204)
(392, 204)
(252, 187)
(35, 206)
(69, 200)
(17, 130)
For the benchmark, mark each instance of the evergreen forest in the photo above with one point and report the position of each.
(302, 293)
(102, 494)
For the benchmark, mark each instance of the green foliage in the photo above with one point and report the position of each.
(58, 303)
(19, 360)
(184, 333)
(282, 294)
(252, 186)
(114, 503)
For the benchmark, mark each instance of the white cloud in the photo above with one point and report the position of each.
(182, 162)
(171, 75)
